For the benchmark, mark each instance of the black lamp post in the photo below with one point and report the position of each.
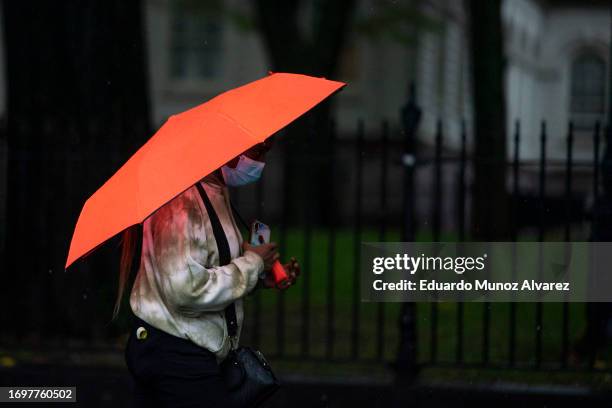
(406, 366)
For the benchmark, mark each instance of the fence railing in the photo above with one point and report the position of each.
(322, 318)
(397, 193)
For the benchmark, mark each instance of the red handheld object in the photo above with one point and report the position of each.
(279, 273)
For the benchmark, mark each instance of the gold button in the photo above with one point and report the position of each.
(141, 333)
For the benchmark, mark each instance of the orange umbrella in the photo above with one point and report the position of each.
(191, 145)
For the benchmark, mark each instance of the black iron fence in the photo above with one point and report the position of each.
(391, 185)
(323, 319)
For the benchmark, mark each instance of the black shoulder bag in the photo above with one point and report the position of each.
(247, 374)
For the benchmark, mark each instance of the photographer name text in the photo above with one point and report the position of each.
(431, 285)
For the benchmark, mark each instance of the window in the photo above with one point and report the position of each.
(588, 89)
(196, 35)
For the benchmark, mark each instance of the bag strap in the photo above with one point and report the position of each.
(242, 221)
(224, 257)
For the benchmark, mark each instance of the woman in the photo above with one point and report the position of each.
(179, 335)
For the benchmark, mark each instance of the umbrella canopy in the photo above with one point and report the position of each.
(191, 145)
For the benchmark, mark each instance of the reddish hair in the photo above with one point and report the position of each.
(129, 239)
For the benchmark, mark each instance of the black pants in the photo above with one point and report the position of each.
(169, 371)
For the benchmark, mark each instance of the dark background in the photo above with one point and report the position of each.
(462, 120)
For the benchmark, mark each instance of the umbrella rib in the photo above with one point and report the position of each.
(229, 118)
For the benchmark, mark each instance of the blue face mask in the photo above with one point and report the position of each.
(246, 171)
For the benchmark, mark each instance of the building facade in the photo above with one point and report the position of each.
(557, 70)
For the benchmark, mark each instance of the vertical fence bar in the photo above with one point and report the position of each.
(514, 232)
(486, 331)
(568, 232)
(541, 233)
(596, 170)
(437, 221)
(280, 297)
(331, 248)
(382, 232)
(461, 231)
(486, 317)
(568, 180)
(462, 183)
(256, 332)
(437, 196)
(306, 262)
(305, 350)
(357, 239)
(596, 175)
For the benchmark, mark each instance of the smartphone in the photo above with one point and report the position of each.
(260, 234)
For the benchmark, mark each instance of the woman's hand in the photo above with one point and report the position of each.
(268, 253)
(293, 270)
